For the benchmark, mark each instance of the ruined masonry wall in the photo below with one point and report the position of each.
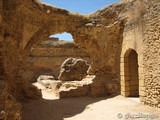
(152, 56)
(143, 36)
(48, 60)
(132, 40)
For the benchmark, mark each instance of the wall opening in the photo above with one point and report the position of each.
(63, 36)
(45, 59)
(131, 77)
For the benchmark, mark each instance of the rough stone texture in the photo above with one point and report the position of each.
(105, 36)
(152, 56)
(10, 109)
(33, 22)
(75, 88)
(132, 41)
(73, 69)
(48, 56)
(142, 36)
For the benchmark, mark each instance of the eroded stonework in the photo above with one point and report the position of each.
(105, 36)
(73, 69)
(48, 56)
(151, 55)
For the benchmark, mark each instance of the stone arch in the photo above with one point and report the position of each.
(52, 49)
(130, 84)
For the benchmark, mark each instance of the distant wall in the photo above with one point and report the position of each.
(47, 57)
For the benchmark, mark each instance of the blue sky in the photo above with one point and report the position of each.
(80, 6)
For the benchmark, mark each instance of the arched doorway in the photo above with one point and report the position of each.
(131, 78)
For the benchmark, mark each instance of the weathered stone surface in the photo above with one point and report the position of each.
(151, 52)
(45, 77)
(73, 69)
(10, 109)
(75, 88)
(48, 56)
(32, 22)
(141, 34)
(104, 35)
(44, 80)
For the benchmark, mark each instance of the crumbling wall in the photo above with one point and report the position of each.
(28, 22)
(133, 36)
(48, 56)
(10, 108)
(142, 35)
(151, 54)
(23, 24)
(101, 39)
(98, 34)
(1, 11)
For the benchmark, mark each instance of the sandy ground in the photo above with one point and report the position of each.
(87, 108)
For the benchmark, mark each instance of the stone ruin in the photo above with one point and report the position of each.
(48, 56)
(122, 41)
(73, 69)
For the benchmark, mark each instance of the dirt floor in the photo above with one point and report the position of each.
(87, 108)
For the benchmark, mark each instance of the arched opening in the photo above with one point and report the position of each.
(44, 63)
(63, 36)
(131, 78)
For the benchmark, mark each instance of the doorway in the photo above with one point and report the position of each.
(131, 73)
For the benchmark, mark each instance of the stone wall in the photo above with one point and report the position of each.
(48, 56)
(132, 43)
(142, 36)
(101, 35)
(23, 24)
(151, 54)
